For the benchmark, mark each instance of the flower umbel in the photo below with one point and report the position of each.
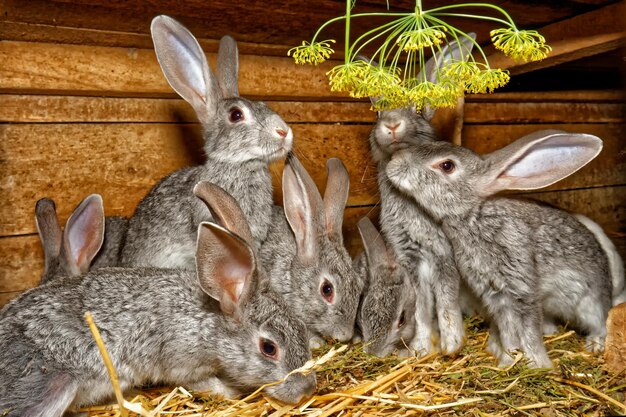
(487, 80)
(417, 39)
(312, 53)
(348, 77)
(526, 45)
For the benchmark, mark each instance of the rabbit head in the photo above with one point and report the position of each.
(236, 130)
(448, 180)
(325, 287)
(70, 252)
(398, 128)
(266, 341)
(386, 315)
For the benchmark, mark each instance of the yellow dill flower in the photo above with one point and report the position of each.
(414, 40)
(380, 79)
(487, 80)
(448, 92)
(348, 77)
(520, 44)
(312, 53)
(460, 70)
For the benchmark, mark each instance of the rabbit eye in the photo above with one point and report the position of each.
(447, 166)
(235, 115)
(268, 348)
(401, 320)
(328, 291)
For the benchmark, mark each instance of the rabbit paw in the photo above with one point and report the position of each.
(594, 344)
(549, 327)
(451, 341)
(316, 342)
(421, 346)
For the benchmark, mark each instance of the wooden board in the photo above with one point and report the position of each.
(106, 71)
(122, 162)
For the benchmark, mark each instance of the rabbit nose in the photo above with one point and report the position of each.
(281, 132)
(393, 127)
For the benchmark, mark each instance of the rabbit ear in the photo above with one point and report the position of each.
(375, 248)
(225, 266)
(185, 66)
(538, 160)
(303, 208)
(49, 230)
(453, 51)
(84, 234)
(225, 209)
(335, 196)
(228, 67)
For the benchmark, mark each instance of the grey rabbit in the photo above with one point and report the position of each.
(242, 138)
(527, 263)
(415, 239)
(87, 241)
(305, 255)
(219, 328)
(386, 315)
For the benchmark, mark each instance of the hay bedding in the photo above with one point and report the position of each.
(352, 383)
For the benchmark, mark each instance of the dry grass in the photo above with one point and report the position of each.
(352, 383)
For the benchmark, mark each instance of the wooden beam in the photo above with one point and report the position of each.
(562, 52)
(581, 36)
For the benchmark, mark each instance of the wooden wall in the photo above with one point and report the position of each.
(80, 119)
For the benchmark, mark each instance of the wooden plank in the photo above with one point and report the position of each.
(604, 205)
(22, 263)
(73, 109)
(562, 51)
(512, 112)
(580, 36)
(105, 71)
(585, 96)
(52, 33)
(122, 162)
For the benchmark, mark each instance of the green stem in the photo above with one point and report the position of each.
(352, 16)
(456, 6)
(456, 31)
(471, 16)
(387, 27)
(346, 57)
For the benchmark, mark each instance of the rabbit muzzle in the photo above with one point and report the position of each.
(296, 388)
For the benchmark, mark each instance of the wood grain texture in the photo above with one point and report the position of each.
(104, 71)
(490, 109)
(122, 162)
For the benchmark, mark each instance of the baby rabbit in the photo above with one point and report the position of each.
(241, 138)
(416, 241)
(386, 315)
(219, 329)
(305, 255)
(88, 240)
(515, 256)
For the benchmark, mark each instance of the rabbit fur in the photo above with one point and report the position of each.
(305, 255)
(416, 241)
(241, 138)
(386, 314)
(208, 330)
(524, 261)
